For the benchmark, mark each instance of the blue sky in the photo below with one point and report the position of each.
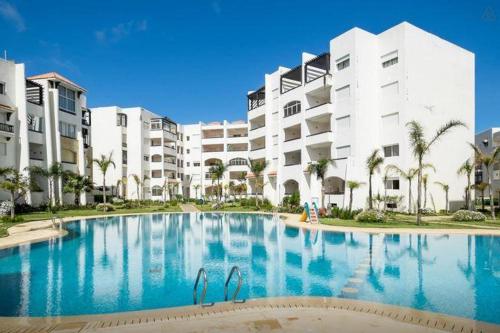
(195, 60)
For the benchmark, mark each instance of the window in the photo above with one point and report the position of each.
(66, 99)
(390, 59)
(343, 152)
(187, 151)
(156, 174)
(392, 184)
(146, 158)
(392, 150)
(124, 156)
(291, 108)
(157, 191)
(187, 164)
(196, 164)
(3, 149)
(67, 130)
(238, 161)
(156, 158)
(390, 89)
(343, 92)
(2, 88)
(121, 120)
(35, 123)
(343, 63)
(187, 137)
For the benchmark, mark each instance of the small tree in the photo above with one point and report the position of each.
(487, 161)
(53, 173)
(352, 185)
(408, 175)
(320, 168)
(421, 147)
(373, 163)
(467, 168)
(76, 184)
(257, 168)
(137, 181)
(481, 187)
(445, 188)
(144, 179)
(196, 188)
(16, 184)
(217, 171)
(104, 163)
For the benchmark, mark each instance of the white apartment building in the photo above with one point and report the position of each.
(357, 97)
(142, 143)
(43, 120)
(217, 142)
(488, 141)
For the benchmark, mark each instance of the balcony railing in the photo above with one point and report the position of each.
(6, 128)
(257, 127)
(317, 67)
(292, 163)
(317, 106)
(257, 98)
(34, 92)
(291, 139)
(313, 134)
(255, 149)
(291, 79)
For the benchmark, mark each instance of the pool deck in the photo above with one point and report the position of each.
(289, 314)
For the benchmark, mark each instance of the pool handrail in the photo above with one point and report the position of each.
(204, 291)
(238, 288)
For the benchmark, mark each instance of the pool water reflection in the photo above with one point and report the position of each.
(130, 263)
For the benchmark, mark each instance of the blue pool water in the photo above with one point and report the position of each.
(144, 262)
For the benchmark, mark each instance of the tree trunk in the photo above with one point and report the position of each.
(482, 200)
(425, 195)
(492, 205)
(350, 199)
(104, 191)
(409, 197)
(13, 208)
(446, 210)
(469, 194)
(370, 204)
(322, 194)
(419, 191)
(77, 199)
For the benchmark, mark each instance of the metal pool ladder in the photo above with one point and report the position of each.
(238, 288)
(204, 291)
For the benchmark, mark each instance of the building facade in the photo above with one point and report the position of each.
(208, 144)
(488, 141)
(43, 120)
(356, 97)
(147, 150)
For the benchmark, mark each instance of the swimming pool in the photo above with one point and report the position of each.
(128, 263)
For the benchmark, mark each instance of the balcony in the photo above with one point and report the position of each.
(170, 166)
(257, 99)
(257, 153)
(237, 147)
(86, 117)
(319, 139)
(6, 130)
(317, 68)
(291, 79)
(34, 92)
(319, 110)
(216, 148)
(257, 132)
(170, 151)
(293, 157)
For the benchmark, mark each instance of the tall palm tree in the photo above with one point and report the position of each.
(373, 163)
(104, 163)
(408, 175)
(487, 161)
(257, 168)
(196, 188)
(481, 187)
(137, 181)
(425, 180)
(467, 168)
(320, 168)
(76, 184)
(421, 147)
(144, 178)
(217, 171)
(352, 185)
(53, 173)
(16, 184)
(445, 188)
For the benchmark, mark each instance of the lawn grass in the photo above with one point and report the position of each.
(36, 216)
(233, 207)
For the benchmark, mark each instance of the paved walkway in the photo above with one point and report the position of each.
(189, 208)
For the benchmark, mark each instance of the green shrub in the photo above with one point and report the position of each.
(244, 202)
(468, 215)
(105, 207)
(371, 216)
(8, 219)
(427, 211)
(174, 203)
(344, 214)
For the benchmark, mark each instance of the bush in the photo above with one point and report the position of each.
(5, 207)
(174, 203)
(344, 214)
(427, 211)
(8, 219)
(266, 205)
(105, 207)
(117, 201)
(468, 215)
(371, 216)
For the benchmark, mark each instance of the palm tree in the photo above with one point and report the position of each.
(217, 171)
(467, 168)
(421, 147)
(104, 163)
(320, 168)
(14, 182)
(196, 188)
(257, 167)
(408, 175)
(144, 178)
(53, 174)
(487, 161)
(76, 184)
(137, 181)
(445, 188)
(425, 180)
(352, 185)
(481, 187)
(373, 163)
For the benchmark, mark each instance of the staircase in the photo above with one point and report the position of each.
(313, 214)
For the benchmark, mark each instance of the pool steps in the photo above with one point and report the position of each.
(202, 272)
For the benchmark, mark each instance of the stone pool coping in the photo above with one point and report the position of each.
(226, 310)
(37, 231)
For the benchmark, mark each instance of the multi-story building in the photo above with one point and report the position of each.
(143, 144)
(43, 120)
(488, 141)
(208, 144)
(356, 97)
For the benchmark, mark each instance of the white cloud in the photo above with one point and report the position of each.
(10, 13)
(121, 31)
